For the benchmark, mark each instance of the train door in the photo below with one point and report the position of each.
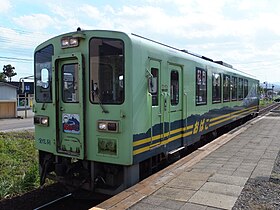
(70, 106)
(157, 130)
(175, 103)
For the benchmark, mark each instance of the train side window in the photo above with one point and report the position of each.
(154, 72)
(245, 88)
(216, 88)
(201, 86)
(240, 89)
(174, 87)
(234, 88)
(226, 88)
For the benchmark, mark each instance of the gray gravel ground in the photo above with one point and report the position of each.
(260, 194)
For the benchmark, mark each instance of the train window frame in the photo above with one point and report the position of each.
(216, 82)
(201, 86)
(226, 88)
(43, 60)
(117, 82)
(174, 88)
(240, 88)
(246, 85)
(234, 88)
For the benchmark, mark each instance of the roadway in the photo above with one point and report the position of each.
(7, 125)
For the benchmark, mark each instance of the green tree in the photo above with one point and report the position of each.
(8, 71)
(2, 77)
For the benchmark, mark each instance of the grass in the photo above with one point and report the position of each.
(18, 163)
(265, 102)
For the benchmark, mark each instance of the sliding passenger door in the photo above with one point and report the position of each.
(175, 102)
(157, 130)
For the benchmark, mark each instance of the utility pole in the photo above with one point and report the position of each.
(21, 80)
(265, 88)
(272, 92)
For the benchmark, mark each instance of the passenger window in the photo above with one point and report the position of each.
(226, 88)
(174, 87)
(240, 89)
(234, 88)
(216, 88)
(201, 86)
(245, 88)
(155, 78)
(70, 91)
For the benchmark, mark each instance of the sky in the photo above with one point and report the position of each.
(244, 33)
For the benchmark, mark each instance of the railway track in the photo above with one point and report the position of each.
(54, 202)
(70, 201)
(268, 108)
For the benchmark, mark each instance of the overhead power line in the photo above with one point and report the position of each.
(18, 59)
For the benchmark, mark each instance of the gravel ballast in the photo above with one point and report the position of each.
(261, 193)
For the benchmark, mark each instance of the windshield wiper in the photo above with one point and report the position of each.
(95, 91)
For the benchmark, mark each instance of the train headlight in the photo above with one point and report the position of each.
(41, 120)
(69, 42)
(73, 42)
(102, 126)
(108, 126)
(45, 121)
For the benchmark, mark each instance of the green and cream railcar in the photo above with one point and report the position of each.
(109, 105)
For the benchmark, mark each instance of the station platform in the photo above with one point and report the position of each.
(211, 177)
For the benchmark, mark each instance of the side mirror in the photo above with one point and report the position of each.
(121, 81)
(45, 78)
(152, 84)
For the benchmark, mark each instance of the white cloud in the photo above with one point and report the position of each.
(90, 11)
(34, 22)
(5, 6)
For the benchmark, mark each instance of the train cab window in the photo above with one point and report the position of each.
(234, 88)
(245, 88)
(107, 71)
(43, 74)
(201, 86)
(154, 86)
(226, 88)
(70, 91)
(216, 88)
(240, 89)
(174, 87)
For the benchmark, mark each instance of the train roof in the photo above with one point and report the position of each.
(197, 57)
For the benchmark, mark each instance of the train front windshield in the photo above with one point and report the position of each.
(43, 74)
(107, 70)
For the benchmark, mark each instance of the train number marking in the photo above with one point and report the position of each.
(44, 141)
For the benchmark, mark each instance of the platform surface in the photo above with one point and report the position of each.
(213, 176)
